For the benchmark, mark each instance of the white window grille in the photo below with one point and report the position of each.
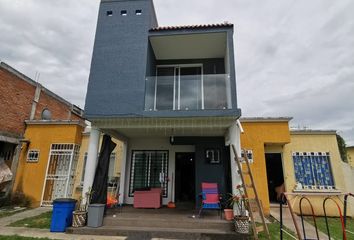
(313, 170)
(149, 170)
(33, 155)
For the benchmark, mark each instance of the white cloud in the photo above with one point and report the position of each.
(293, 58)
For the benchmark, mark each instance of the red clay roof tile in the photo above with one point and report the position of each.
(202, 26)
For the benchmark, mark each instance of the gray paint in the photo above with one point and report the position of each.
(204, 171)
(123, 57)
(116, 83)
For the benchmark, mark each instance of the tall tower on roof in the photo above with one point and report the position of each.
(119, 55)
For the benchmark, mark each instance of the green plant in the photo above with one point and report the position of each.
(20, 199)
(41, 221)
(88, 197)
(342, 148)
(239, 200)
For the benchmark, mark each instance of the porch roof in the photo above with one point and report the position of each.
(165, 127)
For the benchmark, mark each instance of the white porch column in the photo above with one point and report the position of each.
(91, 161)
(122, 172)
(234, 138)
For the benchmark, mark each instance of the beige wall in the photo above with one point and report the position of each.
(84, 148)
(348, 174)
(314, 143)
(350, 154)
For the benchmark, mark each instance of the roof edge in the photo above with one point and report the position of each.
(55, 122)
(198, 26)
(312, 132)
(266, 119)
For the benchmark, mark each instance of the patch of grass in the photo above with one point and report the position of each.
(274, 231)
(9, 211)
(41, 221)
(335, 226)
(16, 237)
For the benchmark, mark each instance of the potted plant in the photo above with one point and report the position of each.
(80, 213)
(228, 207)
(240, 202)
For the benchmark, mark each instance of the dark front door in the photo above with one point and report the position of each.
(274, 174)
(185, 177)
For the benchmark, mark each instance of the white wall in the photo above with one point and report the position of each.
(154, 144)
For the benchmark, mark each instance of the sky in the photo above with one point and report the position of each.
(294, 58)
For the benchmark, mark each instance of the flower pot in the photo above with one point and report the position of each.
(229, 214)
(79, 218)
(242, 224)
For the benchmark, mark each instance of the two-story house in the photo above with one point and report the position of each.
(169, 93)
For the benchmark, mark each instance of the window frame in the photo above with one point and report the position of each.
(313, 171)
(148, 172)
(33, 160)
(177, 83)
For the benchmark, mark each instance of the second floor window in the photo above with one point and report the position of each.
(185, 87)
(179, 88)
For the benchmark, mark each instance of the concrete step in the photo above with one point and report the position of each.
(178, 223)
(142, 233)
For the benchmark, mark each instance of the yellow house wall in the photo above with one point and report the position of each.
(350, 154)
(79, 169)
(256, 135)
(30, 176)
(313, 143)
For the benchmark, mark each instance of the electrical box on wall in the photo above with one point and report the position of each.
(249, 154)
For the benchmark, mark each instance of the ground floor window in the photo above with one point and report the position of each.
(149, 169)
(313, 170)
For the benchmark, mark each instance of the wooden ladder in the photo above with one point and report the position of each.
(252, 186)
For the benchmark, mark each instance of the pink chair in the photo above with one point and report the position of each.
(148, 198)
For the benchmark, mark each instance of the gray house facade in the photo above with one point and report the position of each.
(169, 93)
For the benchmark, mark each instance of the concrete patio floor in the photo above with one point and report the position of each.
(178, 223)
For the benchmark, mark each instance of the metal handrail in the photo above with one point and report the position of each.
(302, 217)
(345, 209)
(340, 214)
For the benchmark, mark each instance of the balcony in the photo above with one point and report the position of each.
(176, 89)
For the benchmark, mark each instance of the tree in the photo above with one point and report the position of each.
(342, 148)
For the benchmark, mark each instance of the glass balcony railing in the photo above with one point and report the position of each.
(188, 92)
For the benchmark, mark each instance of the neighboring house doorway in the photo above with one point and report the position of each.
(61, 168)
(275, 175)
(185, 178)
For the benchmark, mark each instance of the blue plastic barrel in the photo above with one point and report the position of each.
(62, 216)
